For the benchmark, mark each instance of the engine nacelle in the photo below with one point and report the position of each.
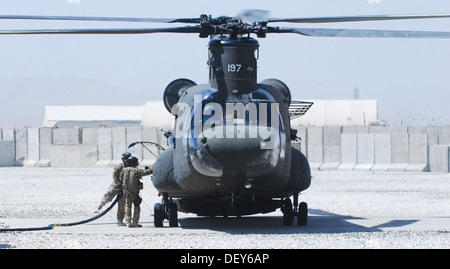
(174, 90)
(280, 86)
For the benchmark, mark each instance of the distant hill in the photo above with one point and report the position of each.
(23, 99)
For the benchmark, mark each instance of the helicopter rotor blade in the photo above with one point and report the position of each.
(115, 19)
(359, 18)
(318, 32)
(249, 15)
(185, 29)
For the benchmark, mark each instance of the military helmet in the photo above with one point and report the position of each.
(126, 155)
(132, 161)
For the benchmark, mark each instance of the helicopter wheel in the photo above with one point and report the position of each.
(158, 215)
(173, 215)
(300, 211)
(302, 215)
(288, 215)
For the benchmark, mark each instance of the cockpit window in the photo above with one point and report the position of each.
(260, 110)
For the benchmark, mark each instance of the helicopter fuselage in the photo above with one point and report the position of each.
(232, 139)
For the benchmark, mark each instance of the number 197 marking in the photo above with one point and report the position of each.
(234, 68)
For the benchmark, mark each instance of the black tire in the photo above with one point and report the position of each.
(287, 210)
(158, 215)
(173, 215)
(302, 217)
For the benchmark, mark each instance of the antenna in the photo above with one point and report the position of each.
(356, 93)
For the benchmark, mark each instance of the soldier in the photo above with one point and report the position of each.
(115, 189)
(131, 185)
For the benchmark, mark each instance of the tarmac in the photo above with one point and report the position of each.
(346, 210)
(251, 224)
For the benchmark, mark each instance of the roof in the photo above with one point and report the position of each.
(156, 115)
(55, 114)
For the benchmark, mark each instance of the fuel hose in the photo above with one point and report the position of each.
(51, 226)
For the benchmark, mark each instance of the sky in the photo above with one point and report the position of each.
(408, 77)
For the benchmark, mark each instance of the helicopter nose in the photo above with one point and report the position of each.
(234, 150)
(254, 153)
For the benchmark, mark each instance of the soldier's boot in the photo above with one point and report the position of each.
(120, 223)
(136, 225)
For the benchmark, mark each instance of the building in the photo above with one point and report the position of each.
(153, 113)
(92, 116)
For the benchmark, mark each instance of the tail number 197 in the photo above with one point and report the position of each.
(232, 68)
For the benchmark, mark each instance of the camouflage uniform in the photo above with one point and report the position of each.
(131, 185)
(113, 191)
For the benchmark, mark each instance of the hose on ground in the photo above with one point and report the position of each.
(50, 226)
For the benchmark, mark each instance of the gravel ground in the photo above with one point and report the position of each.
(74, 194)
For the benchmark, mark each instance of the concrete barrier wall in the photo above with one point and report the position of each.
(365, 149)
(314, 146)
(382, 151)
(7, 153)
(439, 158)
(21, 146)
(418, 153)
(380, 148)
(347, 148)
(331, 147)
(104, 146)
(32, 148)
(348, 152)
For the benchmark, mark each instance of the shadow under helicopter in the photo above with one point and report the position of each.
(319, 221)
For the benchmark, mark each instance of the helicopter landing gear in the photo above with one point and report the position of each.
(290, 212)
(165, 210)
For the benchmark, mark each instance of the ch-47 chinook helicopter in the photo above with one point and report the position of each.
(230, 149)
